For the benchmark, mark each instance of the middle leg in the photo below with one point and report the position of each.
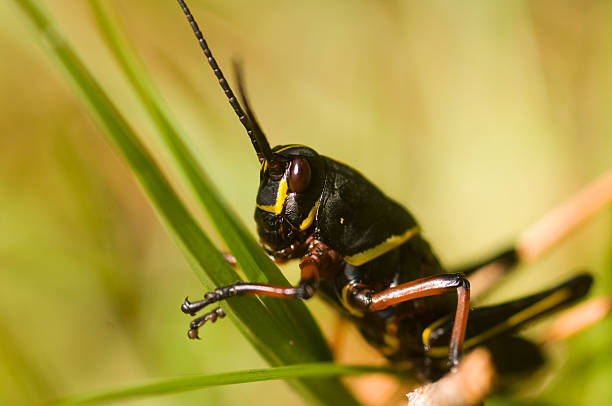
(369, 301)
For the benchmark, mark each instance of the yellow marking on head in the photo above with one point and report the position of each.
(281, 195)
(264, 164)
(286, 147)
(394, 241)
(512, 321)
(344, 300)
(311, 215)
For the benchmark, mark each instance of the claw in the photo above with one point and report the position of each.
(193, 307)
(186, 307)
(195, 324)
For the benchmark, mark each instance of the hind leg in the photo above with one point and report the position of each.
(489, 322)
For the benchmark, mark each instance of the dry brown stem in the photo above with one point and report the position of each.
(577, 319)
(564, 219)
(467, 386)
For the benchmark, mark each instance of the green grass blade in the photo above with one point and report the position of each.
(253, 318)
(195, 382)
(257, 267)
(197, 247)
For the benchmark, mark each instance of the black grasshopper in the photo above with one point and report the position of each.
(364, 252)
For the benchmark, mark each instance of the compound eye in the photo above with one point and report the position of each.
(299, 175)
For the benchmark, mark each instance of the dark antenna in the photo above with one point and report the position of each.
(264, 146)
(244, 119)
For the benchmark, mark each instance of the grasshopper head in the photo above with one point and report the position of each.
(288, 199)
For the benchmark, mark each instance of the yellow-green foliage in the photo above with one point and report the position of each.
(478, 116)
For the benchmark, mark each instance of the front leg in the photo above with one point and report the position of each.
(365, 299)
(317, 259)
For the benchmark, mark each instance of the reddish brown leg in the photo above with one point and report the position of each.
(318, 258)
(429, 286)
(304, 290)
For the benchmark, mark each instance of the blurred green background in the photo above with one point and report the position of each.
(479, 117)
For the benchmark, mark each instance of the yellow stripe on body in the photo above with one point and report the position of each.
(345, 302)
(392, 344)
(512, 321)
(432, 327)
(385, 246)
(281, 195)
(311, 215)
